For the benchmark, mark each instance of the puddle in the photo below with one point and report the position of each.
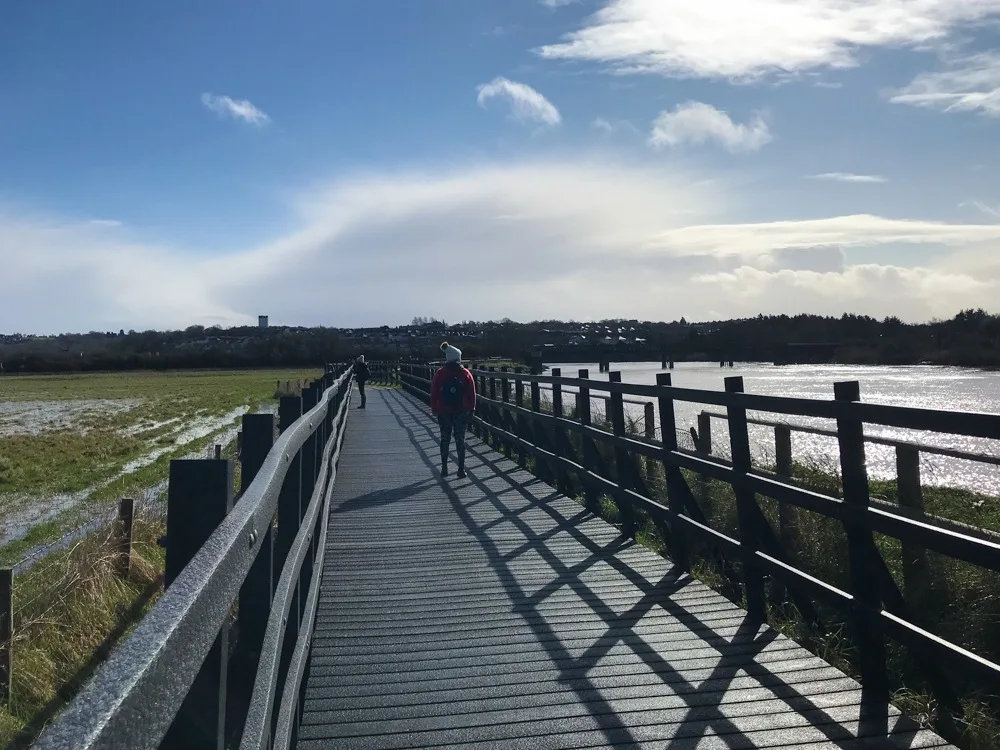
(36, 417)
(147, 426)
(16, 524)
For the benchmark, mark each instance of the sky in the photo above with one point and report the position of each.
(361, 163)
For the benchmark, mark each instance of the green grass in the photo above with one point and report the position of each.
(70, 611)
(952, 599)
(91, 454)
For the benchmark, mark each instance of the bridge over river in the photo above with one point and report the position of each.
(383, 606)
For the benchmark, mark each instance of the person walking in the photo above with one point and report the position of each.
(453, 401)
(361, 374)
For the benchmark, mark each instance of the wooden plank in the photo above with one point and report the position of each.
(494, 611)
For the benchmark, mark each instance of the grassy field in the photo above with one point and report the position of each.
(98, 437)
(70, 442)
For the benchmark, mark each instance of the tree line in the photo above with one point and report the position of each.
(971, 338)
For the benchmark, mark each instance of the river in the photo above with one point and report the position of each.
(946, 388)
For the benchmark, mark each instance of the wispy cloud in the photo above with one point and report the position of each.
(967, 84)
(525, 103)
(239, 109)
(847, 177)
(697, 122)
(747, 39)
(980, 206)
(104, 223)
(860, 230)
(557, 3)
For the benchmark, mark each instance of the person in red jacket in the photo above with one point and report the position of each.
(453, 401)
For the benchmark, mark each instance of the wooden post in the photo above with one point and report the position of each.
(123, 538)
(589, 450)
(289, 513)
(671, 474)
(783, 468)
(6, 632)
(911, 497)
(310, 467)
(704, 433)
(218, 452)
(522, 455)
(257, 588)
(558, 436)
(649, 432)
(622, 457)
(747, 510)
(199, 496)
(862, 561)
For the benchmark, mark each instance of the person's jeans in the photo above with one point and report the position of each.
(361, 388)
(454, 425)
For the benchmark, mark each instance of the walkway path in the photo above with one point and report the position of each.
(492, 611)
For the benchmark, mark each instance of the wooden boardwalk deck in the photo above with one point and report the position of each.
(493, 612)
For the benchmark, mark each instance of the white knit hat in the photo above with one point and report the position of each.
(451, 354)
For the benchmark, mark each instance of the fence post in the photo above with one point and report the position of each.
(649, 432)
(558, 436)
(6, 632)
(289, 410)
(747, 510)
(257, 588)
(588, 450)
(863, 562)
(783, 468)
(704, 433)
(915, 568)
(199, 496)
(123, 538)
(505, 421)
(668, 439)
(522, 430)
(622, 478)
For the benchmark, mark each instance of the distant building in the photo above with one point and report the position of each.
(262, 321)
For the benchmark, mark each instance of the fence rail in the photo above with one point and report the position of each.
(578, 457)
(178, 680)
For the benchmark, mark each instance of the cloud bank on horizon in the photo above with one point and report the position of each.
(646, 159)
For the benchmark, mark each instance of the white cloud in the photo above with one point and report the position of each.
(697, 122)
(847, 177)
(862, 230)
(601, 124)
(525, 102)
(557, 3)
(239, 109)
(968, 84)
(746, 39)
(575, 238)
(918, 293)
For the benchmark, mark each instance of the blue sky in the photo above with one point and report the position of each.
(349, 163)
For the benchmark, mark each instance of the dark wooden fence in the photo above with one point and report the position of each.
(220, 660)
(584, 459)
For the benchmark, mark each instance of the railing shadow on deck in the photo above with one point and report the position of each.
(735, 655)
(577, 455)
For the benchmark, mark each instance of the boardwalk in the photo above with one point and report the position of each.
(491, 611)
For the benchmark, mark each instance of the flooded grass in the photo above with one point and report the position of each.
(72, 441)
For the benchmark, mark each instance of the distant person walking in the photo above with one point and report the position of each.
(361, 374)
(453, 401)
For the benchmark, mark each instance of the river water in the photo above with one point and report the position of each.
(946, 388)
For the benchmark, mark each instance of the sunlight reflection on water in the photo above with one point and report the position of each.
(945, 388)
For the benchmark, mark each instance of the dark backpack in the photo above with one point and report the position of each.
(453, 391)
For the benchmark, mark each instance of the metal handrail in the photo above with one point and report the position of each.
(132, 700)
(256, 733)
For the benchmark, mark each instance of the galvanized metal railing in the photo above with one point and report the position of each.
(166, 685)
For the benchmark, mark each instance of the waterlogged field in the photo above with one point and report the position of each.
(72, 444)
